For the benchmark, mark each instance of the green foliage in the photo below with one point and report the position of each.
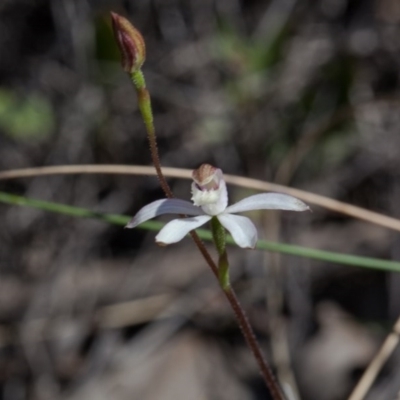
(29, 118)
(246, 55)
(247, 61)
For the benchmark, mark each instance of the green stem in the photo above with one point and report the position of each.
(223, 271)
(321, 255)
(219, 237)
(144, 101)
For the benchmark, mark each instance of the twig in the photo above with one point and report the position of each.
(311, 198)
(377, 363)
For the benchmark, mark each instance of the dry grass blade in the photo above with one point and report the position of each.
(377, 363)
(308, 197)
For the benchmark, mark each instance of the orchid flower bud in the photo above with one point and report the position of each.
(130, 42)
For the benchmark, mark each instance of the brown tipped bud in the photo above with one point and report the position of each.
(130, 42)
(207, 177)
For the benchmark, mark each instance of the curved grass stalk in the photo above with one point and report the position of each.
(249, 183)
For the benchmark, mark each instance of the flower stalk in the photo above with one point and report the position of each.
(133, 55)
(132, 48)
(145, 108)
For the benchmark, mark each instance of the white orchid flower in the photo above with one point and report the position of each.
(210, 199)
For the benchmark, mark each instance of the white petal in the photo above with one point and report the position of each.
(243, 231)
(268, 201)
(164, 206)
(177, 229)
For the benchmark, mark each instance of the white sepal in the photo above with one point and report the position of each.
(268, 201)
(164, 206)
(177, 229)
(243, 231)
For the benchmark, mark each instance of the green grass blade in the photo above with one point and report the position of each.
(328, 256)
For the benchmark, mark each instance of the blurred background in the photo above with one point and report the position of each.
(302, 93)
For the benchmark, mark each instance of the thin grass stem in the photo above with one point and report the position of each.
(203, 234)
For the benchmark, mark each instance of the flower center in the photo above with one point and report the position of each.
(209, 189)
(202, 197)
